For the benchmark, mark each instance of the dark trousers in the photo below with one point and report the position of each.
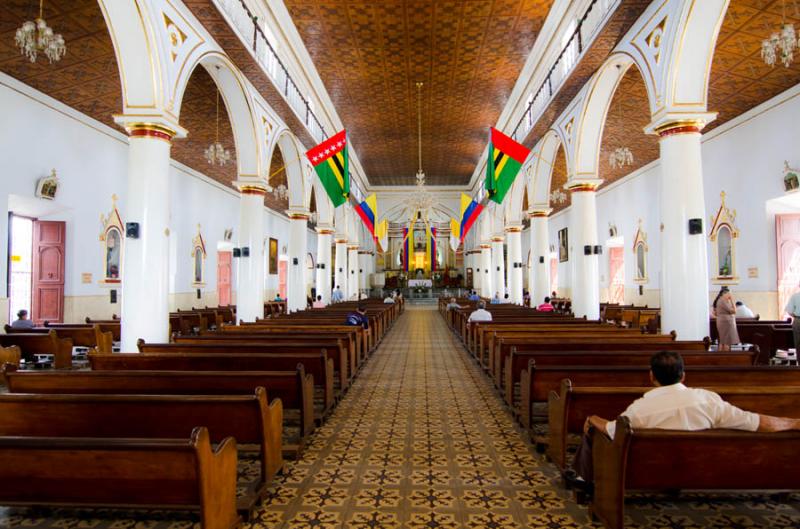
(583, 464)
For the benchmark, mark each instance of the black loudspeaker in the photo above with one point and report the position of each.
(641, 290)
(199, 295)
(587, 250)
(352, 271)
(322, 266)
(294, 261)
(479, 269)
(487, 270)
(695, 226)
(541, 259)
(498, 268)
(112, 295)
(132, 230)
(340, 270)
(598, 250)
(237, 252)
(360, 270)
(245, 251)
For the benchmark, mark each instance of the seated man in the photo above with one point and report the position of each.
(359, 317)
(743, 311)
(22, 321)
(672, 406)
(452, 305)
(474, 296)
(278, 297)
(496, 299)
(388, 299)
(337, 295)
(546, 306)
(481, 314)
(318, 304)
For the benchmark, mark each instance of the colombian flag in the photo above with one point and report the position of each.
(368, 210)
(470, 211)
(330, 161)
(455, 238)
(382, 234)
(505, 160)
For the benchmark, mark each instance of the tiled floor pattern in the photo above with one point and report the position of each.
(421, 441)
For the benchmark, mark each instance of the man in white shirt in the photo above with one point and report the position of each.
(793, 310)
(337, 295)
(673, 406)
(388, 299)
(481, 314)
(743, 311)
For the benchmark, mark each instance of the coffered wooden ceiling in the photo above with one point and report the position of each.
(370, 54)
(739, 81)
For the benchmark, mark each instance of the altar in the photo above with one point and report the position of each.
(420, 283)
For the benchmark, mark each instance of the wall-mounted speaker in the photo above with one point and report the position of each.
(295, 262)
(112, 295)
(360, 270)
(587, 250)
(498, 268)
(245, 251)
(695, 226)
(132, 230)
(541, 259)
(237, 252)
(340, 270)
(199, 294)
(598, 250)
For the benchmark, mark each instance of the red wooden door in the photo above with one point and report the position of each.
(282, 273)
(787, 230)
(224, 278)
(616, 275)
(47, 298)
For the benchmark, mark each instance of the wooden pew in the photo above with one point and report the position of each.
(570, 406)
(249, 419)
(538, 381)
(40, 343)
(295, 389)
(9, 355)
(518, 360)
(81, 336)
(283, 326)
(657, 460)
(114, 327)
(317, 361)
(152, 473)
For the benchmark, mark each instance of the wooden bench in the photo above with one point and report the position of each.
(570, 406)
(249, 419)
(658, 460)
(152, 473)
(81, 336)
(295, 389)
(41, 343)
(9, 355)
(538, 381)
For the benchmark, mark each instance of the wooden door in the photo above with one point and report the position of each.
(282, 271)
(224, 278)
(47, 296)
(787, 231)
(616, 275)
(553, 275)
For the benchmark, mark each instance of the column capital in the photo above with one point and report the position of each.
(298, 214)
(251, 186)
(539, 212)
(513, 228)
(497, 238)
(578, 185)
(486, 246)
(668, 124)
(352, 247)
(325, 229)
(340, 240)
(150, 126)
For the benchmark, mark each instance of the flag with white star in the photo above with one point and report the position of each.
(330, 161)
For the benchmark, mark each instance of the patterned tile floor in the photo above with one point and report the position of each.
(422, 441)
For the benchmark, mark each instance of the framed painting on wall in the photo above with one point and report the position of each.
(273, 256)
(563, 245)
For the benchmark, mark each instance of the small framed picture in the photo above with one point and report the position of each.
(563, 245)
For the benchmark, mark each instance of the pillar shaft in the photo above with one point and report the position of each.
(145, 267)
(539, 272)
(498, 267)
(352, 272)
(251, 268)
(323, 271)
(514, 241)
(487, 278)
(585, 269)
(684, 265)
(341, 272)
(298, 249)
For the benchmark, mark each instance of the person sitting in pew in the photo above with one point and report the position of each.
(546, 306)
(389, 299)
(452, 305)
(743, 311)
(496, 299)
(359, 317)
(672, 406)
(337, 295)
(474, 296)
(22, 321)
(318, 304)
(481, 314)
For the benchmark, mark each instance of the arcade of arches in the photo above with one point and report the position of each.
(170, 248)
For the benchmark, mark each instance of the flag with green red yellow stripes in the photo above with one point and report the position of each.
(504, 162)
(331, 163)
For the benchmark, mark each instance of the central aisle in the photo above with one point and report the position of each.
(422, 441)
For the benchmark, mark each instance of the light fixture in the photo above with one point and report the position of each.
(781, 43)
(558, 197)
(421, 200)
(216, 154)
(36, 36)
(281, 192)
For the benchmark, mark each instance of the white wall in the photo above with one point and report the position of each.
(40, 134)
(745, 159)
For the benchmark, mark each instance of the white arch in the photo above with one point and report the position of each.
(545, 158)
(293, 161)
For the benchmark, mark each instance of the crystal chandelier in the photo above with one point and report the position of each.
(620, 157)
(36, 36)
(216, 153)
(780, 44)
(558, 197)
(421, 200)
(281, 192)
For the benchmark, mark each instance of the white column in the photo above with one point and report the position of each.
(498, 267)
(252, 267)
(363, 270)
(352, 272)
(539, 273)
(341, 272)
(145, 269)
(487, 278)
(684, 265)
(298, 250)
(583, 232)
(323, 271)
(514, 240)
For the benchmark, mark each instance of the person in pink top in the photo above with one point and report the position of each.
(318, 304)
(546, 306)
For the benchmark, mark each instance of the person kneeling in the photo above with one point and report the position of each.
(671, 406)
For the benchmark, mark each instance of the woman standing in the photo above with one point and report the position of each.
(725, 310)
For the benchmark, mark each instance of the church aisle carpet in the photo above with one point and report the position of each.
(422, 441)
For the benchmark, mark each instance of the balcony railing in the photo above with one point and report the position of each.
(585, 31)
(251, 33)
